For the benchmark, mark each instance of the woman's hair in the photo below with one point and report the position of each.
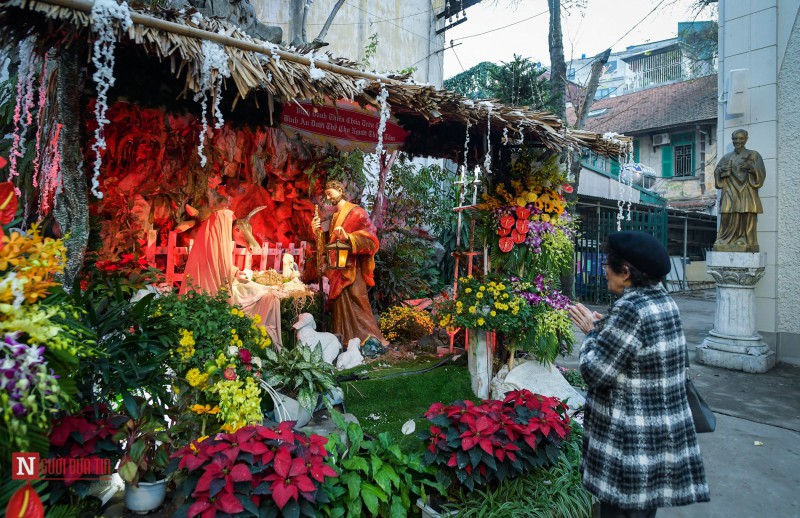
(638, 278)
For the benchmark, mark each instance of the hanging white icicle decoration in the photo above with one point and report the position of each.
(505, 136)
(385, 113)
(214, 58)
(466, 145)
(521, 139)
(104, 14)
(487, 160)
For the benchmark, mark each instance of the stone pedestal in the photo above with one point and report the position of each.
(734, 343)
(480, 361)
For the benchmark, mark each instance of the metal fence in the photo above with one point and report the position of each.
(597, 221)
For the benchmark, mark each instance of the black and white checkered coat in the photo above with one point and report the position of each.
(640, 447)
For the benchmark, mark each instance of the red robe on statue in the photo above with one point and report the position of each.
(210, 268)
(351, 315)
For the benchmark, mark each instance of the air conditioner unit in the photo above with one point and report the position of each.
(660, 139)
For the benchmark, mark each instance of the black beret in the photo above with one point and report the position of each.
(642, 250)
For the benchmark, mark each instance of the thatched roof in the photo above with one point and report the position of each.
(437, 118)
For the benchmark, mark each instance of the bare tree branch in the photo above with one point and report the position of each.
(331, 16)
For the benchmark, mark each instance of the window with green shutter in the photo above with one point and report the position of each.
(683, 154)
(636, 150)
(666, 161)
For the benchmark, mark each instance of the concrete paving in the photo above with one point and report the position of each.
(752, 460)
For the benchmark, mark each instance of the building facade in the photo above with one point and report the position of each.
(759, 45)
(406, 32)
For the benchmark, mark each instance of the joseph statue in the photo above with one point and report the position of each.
(739, 175)
(351, 313)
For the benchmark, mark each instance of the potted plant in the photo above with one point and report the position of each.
(475, 445)
(255, 471)
(146, 443)
(300, 374)
(376, 477)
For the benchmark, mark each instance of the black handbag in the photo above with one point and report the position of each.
(704, 419)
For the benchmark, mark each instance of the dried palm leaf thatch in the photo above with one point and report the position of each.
(177, 36)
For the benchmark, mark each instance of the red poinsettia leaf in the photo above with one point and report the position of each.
(486, 445)
(229, 504)
(254, 446)
(241, 473)
(191, 462)
(522, 226)
(212, 472)
(283, 462)
(506, 244)
(3, 162)
(502, 231)
(196, 508)
(523, 213)
(321, 470)
(282, 492)
(517, 237)
(506, 221)
(8, 202)
(298, 467)
(304, 484)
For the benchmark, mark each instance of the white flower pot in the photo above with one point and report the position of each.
(288, 409)
(145, 498)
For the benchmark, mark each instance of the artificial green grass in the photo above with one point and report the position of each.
(383, 404)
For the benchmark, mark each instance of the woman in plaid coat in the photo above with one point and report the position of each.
(640, 448)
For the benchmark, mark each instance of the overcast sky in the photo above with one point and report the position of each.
(602, 23)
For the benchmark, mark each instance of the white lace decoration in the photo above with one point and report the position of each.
(104, 14)
(214, 58)
(385, 113)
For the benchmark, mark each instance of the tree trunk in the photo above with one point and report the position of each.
(72, 199)
(296, 23)
(558, 68)
(582, 113)
(379, 209)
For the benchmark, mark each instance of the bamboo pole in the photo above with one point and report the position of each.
(183, 30)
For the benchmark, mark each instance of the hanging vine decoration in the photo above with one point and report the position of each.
(40, 121)
(466, 144)
(23, 115)
(104, 14)
(212, 74)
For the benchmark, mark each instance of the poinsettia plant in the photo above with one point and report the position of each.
(494, 440)
(256, 471)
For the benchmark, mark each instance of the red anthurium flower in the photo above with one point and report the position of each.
(521, 226)
(290, 477)
(523, 213)
(8, 202)
(503, 231)
(506, 244)
(3, 162)
(506, 221)
(517, 237)
(567, 188)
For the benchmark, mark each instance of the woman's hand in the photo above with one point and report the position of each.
(583, 317)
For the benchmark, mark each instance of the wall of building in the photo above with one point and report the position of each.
(406, 32)
(761, 37)
(788, 249)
